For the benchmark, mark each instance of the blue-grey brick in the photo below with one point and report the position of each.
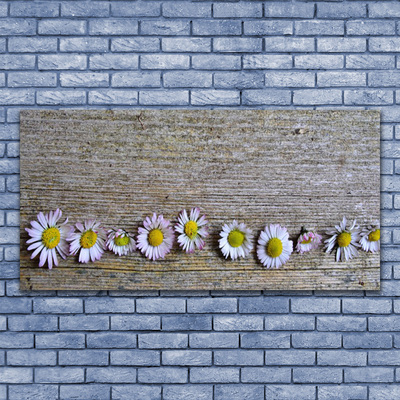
(386, 44)
(135, 322)
(34, 9)
(370, 61)
(239, 80)
(164, 61)
(9, 201)
(16, 375)
(212, 305)
(342, 78)
(237, 10)
(384, 9)
(368, 97)
(341, 323)
(179, 392)
(193, 45)
(32, 45)
(61, 97)
(164, 27)
(239, 392)
(33, 392)
(87, 392)
(317, 375)
(313, 97)
(15, 305)
(85, 9)
(2, 84)
(263, 305)
(290, 392)
(9, 132)
(345, 10)
(138, 44)
(111, 375)
(319, 27)
(288, 10)
(290, 357)
(369, 375)
(135, 9)
(382, 392)
(180, 9)
(9, 270)
(289, 79)
(110, 96)
(384, 78)
(84, 79)
(265, 96)
(136, 392)
(83, 357)
(17, 26)
(342, 358)
(365, 27)
(269, 27)
(238, 323)
(260, 340)
(324, 306)
(32, 79)
(238, 357)
(210, 62)
(162, 375)
(2, 46)
(152, 97)
(237, 45)
(87, 45)
(217, 27)
(386, 323)
(14, 340)
(265, 375)
(62, 61)
(3, 322)
(384, 357)
(111, 340)
(59, 375)
(289, 323)
(135, 357)
(57, 306)
(386, 201)
(12, 217)
(320, 340)
(367, 306)
(286, 45)
(32, 322)
(31, 357)
(214, 340)
(3, 179)
(84, 323)
(367, 341)
(186, 79)
(163, 340)
(390, 150)
(267, 61)
(214, 375)
(344, 392)
(61, 27)
(186, 357)
(114, 61)
(187, 323)
(113, 27)
(3, 9)
(319, 61)
(100, 306)
(17, 61)
(341, 45)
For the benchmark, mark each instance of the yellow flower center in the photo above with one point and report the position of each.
(156, 237)
(122, 240)
(88, 239)
(274, 247)
(235, 238)
(374, 236)
(344, 239)
(191, 229)
(51, 237)
(306, 241)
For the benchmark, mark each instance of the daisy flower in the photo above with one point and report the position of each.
(47, 236)
(89, 241)
(371, 238)
(120, 242)
(192, 230)
(236, 240)
(156, 238)
(345, 239)
(307, 241)
(274, 247)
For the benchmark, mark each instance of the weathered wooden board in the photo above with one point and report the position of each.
(289, 167)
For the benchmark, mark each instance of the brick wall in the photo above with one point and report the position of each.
(199, 345)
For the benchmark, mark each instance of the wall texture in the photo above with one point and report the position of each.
(199, 345)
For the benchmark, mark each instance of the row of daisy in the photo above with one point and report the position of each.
(156, 237)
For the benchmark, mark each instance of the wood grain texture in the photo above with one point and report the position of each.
(290, 167)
